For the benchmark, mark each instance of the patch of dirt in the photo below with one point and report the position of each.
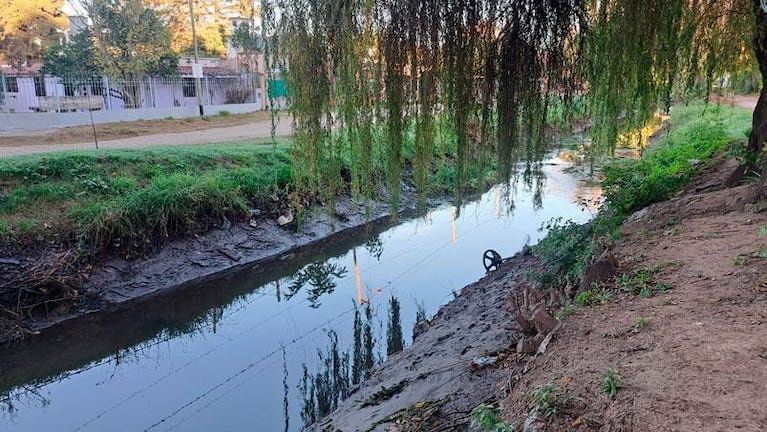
(145, 133)
(691, 359)
(741, 101)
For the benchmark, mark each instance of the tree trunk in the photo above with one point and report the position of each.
(759, 123)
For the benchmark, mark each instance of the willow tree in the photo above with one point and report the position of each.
(366, 75)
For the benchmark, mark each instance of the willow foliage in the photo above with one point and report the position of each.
(367, 78)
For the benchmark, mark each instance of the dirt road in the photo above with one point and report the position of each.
(258, 129)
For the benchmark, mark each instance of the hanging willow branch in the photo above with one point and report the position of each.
(374, 81)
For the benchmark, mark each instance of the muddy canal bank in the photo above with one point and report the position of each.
(452, 366)
(115, 286)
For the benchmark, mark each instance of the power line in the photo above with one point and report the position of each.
(243, 371)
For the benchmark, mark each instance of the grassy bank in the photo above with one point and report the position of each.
(99, 198)
(695, 135)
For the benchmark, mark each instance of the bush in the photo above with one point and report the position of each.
(563, 252)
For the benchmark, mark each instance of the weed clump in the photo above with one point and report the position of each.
(612, 383)
(548, 399)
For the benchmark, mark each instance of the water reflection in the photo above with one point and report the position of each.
(319, 278)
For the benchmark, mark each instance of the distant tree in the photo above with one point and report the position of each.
(27, 26)
(247, 38)
(211, 18)
(73, 60)
(131, 41)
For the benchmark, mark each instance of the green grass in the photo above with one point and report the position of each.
(105, 197)
(696, 133)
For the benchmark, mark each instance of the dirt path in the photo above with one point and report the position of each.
(747, 102)
(145, 134)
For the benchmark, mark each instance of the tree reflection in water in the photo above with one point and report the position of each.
(320, 278)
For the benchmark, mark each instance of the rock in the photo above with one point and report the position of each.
(230, 253)
(420, 328)
(225, 225)
(638, 215)
(529, 345)
(533, 423)
(604, 268)
(526, 327)
(285, 219)
(544, 323)
(255, 212)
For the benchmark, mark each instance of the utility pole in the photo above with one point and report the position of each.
(196, 70)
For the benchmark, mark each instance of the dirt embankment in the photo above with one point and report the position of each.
(691, 356)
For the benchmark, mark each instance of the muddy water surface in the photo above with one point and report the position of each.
(214, 357)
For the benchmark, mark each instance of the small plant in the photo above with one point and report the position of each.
(548, 398)
(597, 295)
(584, 298)
(224, 113)
(740, 261)
(485, 417)
(95, 184)
(662, 287)
(612, 382)
(641, 282)
(565, 311)
(563, 252)
(640, 323)
(763, 232)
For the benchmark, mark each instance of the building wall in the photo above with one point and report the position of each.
(154, 93)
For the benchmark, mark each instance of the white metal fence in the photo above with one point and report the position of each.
(23, 94)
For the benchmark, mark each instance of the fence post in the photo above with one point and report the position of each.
(108, 93)
(55, 92)
(151, 92)
(207, 90)
(4, 90)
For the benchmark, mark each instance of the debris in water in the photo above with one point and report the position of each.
(285, 219)
(482, 362)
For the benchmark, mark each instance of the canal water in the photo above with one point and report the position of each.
(226, 355)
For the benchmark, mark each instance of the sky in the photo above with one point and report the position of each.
(71, 10)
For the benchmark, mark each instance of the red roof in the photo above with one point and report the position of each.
(32, 69)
